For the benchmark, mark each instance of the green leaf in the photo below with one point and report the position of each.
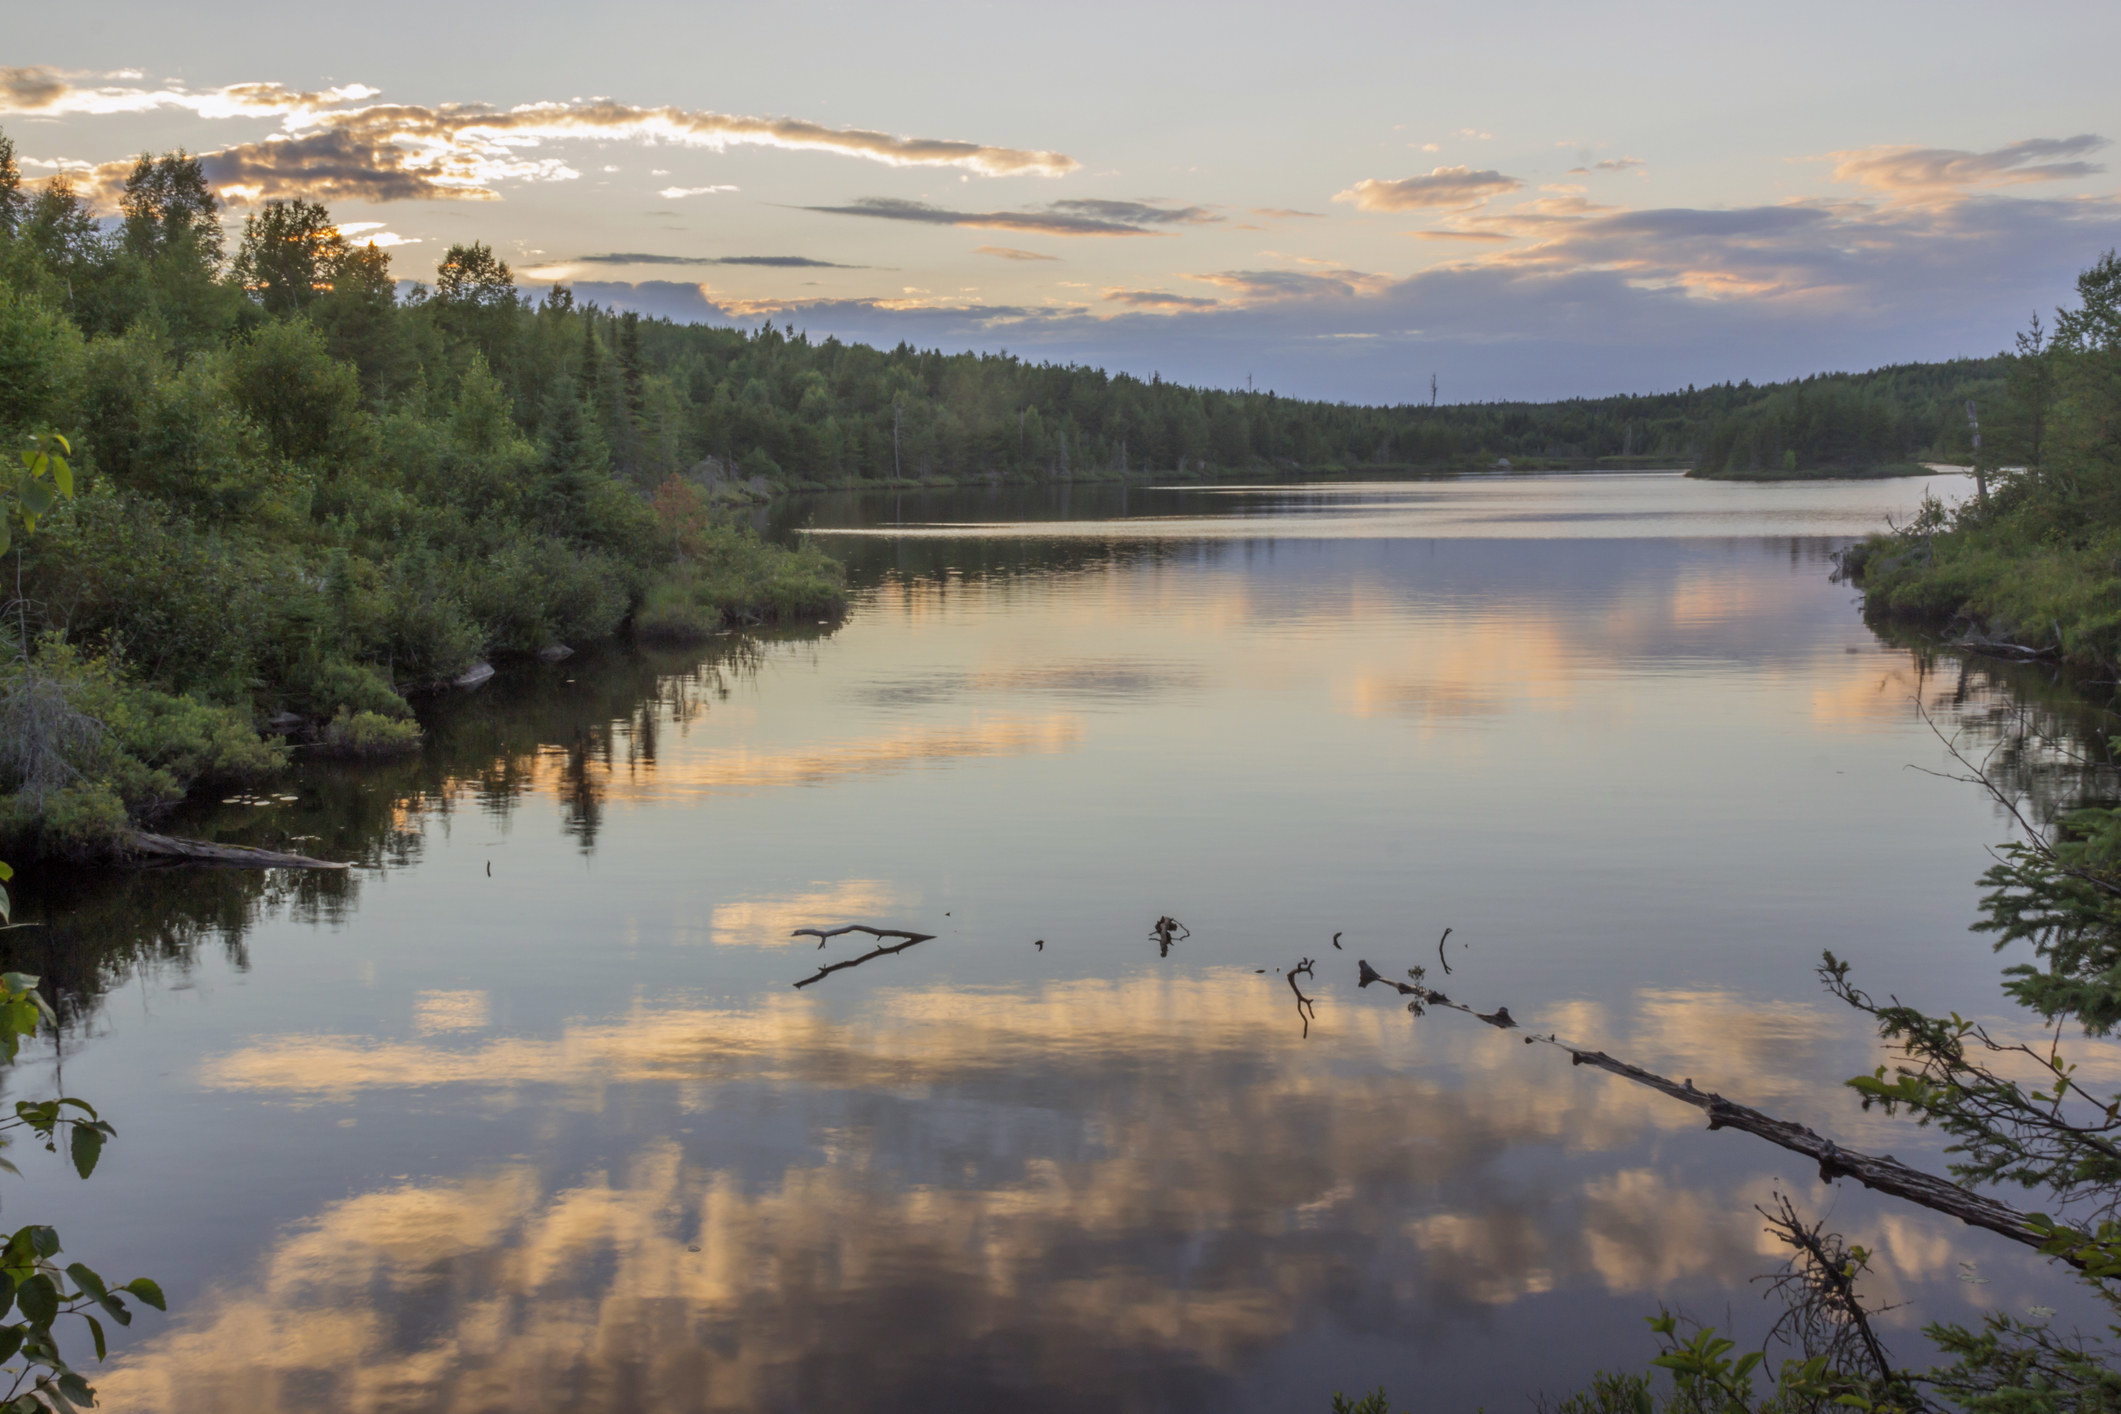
(39, 1300)
(87, 1147)
(147, 1291)
(95, 1328)
(10, 1341)
(37, 498)
(63, 477)
(44, 1241)
(7, 870)
(18, 981)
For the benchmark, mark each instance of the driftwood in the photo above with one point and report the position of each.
(821, 934)
(235, 856)
(1167, 931)
(1884, 1173)
(1997, 648)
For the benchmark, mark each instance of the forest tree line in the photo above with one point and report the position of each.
(295, 498)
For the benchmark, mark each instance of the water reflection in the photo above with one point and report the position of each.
(981, 1256)
(480, 1119)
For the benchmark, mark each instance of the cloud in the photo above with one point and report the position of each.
(1612, 164)
(786, 262)
(1076, 218)
(1257, 285)
(48, 92)
(1158, 299)
(1144, 213)
(30, 90)
(1934, 170)
(390, 152)
(673, 193)
(1285, 212)
(1004, 252)
(1446, 186)
(1564, 298)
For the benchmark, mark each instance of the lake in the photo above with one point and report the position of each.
(526, 1113)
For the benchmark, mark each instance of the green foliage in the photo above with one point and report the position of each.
(85, 749)
(36, 1293)
(2065, 900)
(307, 403)
(287, 255)
(1623, 1393)
(368, 736)
(1841, 424)
(37, 478)
(2038, 563)
(2010, 1366)
(1372, 1403)
(737, 579)
(40, 358)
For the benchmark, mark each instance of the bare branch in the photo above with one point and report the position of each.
(830, 968)
(1884, 1174)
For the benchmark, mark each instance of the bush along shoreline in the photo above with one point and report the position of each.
(296, 500)
(2029, 567)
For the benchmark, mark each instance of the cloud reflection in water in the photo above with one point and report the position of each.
(1136, 1187)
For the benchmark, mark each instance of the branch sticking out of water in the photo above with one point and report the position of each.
(1883, 1173)
(1167, 931)
(1305, 1007)
(821, 934)
(830, 968)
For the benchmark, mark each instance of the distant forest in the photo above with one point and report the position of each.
(773, 402)
(665, 397)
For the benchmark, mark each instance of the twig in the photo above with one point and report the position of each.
(1305, 1007)
(821, 934)
(1825, 1316)
(873, 953)
(1439, 952)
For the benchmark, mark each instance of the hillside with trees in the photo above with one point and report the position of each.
(290, 499)
(306, 489)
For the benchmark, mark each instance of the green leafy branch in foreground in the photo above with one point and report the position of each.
(35, 1291)
(43, 479)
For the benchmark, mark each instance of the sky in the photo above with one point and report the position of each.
(1334, 200)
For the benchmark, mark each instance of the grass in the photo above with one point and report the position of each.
(2051, 594)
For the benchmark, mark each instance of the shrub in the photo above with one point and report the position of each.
(84, 751)
(368, 736)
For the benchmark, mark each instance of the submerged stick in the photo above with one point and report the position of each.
(1883, 1173)
(873, 953)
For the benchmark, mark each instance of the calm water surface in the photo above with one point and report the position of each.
(526, 1113)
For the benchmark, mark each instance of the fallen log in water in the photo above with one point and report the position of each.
(1883, 1173)
(234, 856)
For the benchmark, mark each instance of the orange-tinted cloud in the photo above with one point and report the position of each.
(390, 152)
(1446, 186)
(1936, 170)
